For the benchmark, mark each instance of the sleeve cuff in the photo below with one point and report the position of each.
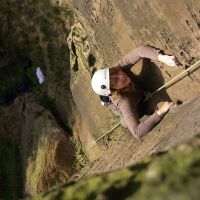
(157, 51)
(157, 118)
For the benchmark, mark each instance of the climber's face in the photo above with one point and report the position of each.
(119, 80)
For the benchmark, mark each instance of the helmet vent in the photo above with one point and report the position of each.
(103, 87)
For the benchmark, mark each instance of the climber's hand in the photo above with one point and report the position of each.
(169, 60)
(165, 107)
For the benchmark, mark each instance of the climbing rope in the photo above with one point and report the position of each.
(166, 85)
(173, 80)
(113, 128)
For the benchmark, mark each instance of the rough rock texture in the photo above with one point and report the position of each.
(46, 150)
(109, 29)
(115, 27)
(105, 31)
(89, 124)
(40, 153)
(178, 126)
(172, 175)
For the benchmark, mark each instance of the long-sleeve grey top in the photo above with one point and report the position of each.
(128, 104)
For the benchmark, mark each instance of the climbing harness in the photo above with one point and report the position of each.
(166, 85)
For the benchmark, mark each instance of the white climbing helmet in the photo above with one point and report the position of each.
(101, 82)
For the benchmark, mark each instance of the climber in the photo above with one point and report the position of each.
(120, 89)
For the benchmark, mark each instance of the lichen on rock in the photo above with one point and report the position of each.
(171, 175)
(46, 150)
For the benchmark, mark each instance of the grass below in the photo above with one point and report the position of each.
(31, 29)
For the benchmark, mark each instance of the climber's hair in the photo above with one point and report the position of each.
(117, 93)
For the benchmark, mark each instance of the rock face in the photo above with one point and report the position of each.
(172, 175)
(46, 150)
(115, 27)
(110, 29)
(134, 22)
(104, 31)
(178, 126)
(40, 152)
(90, 125)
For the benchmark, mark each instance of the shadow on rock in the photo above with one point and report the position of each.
(150, 79)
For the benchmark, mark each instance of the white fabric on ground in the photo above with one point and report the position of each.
(40, 75)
